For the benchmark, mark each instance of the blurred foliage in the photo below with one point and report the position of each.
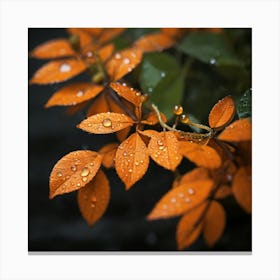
(200, 69)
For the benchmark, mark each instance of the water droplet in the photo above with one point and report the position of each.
(67, 177)
(59, 174)
(161, 147)
(124, 153)
(150, 89)
(212, 61)
(162, 74)
(64, 67)
(181, 195)
(85, 172)
(89, 124)
(173, 200)
(187, 200)
(130, 170)
(129, 69)
(138, 93)
(74, 168)
(93, 198)
(107, 123)
(89, 54)
(79, 184)
(126, 61)
(124, 84)
(118, 56)
(92, 205)
(136, 163)
(229, 177)
(141, 161)
(160, 143)
(91, 164)
(133, 54)
(84, 179)
(191, 191)
(80, 93)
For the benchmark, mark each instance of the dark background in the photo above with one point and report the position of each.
(56, 225)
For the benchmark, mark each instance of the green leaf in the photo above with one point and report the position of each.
(161, 77)
(209, 48)
(244, 107)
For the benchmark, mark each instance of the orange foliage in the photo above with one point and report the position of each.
(222, 155)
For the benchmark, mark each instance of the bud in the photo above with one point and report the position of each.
(184, 119)
(178, 110)
(98, 78)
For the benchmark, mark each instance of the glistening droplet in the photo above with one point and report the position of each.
(191, 191)
(74, 168)
(59, 174)
(84, 172)
(107, 123)
(126, 61)
(80, 93)
(64, 67)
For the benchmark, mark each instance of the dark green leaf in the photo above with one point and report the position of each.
(244, 107)
(209, 48)
(162, 78)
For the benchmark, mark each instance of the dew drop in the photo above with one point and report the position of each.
(64, 67)
(173, 200)
(160, 143)
(124, 84)
(93, 198)
(187, 200)
(91, 164)
(161, 147)
(78, 184)
(84, 179)
(85, 172)
(67, 177)
(136, 163)
(133, 54)
(74, 168)
(80, 93)
(130, 170)
(150, 89)
(141, 161)
(124, 153)
(107, 123)
(138, 93)
(118, 56)
(229, 177)
(129, 69)
(162, 74)
(126, 61)
(59, 174)
(212, 61)
(89, 124)
(92, 205)
(181, 195)
(89, 54)
(191, 191)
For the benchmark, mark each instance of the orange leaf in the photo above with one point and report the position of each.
(240, 130)
(122, 63)
(84, 37)
(58, 71)
(74, 94)
(242, 188)
(201, 155)
(152, 118)
(93, 31)
(100, 105)
(222, 113)
(189, 227)
(181, 199)
(196, 174)
(108, 152)
(105, 123)
(73, 171)
(94, 198)
(214, 223)
(122, 134)
(53, 49)
(154, 42)
(132, 160)
(103, 53)
(223, 192)
(128, 93)
(164, 150)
